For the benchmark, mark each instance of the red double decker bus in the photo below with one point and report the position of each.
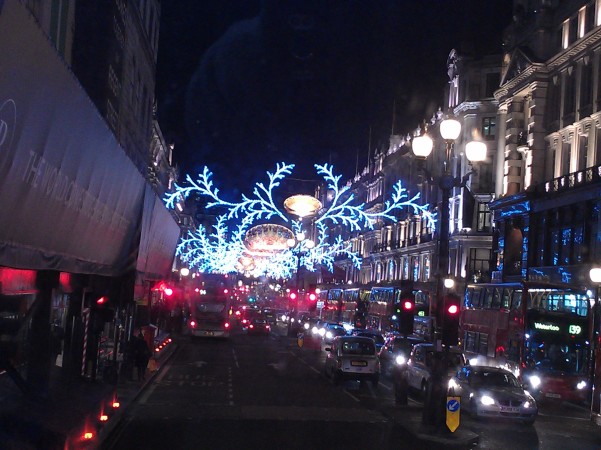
(538, 330)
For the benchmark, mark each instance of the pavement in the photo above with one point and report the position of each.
(74, 413)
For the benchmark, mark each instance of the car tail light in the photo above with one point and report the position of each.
(252, 326)
(192, 324)
(226, 324)
(268, 327)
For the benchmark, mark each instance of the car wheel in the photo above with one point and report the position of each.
(336, 378)
(473, 410)
(424, 389)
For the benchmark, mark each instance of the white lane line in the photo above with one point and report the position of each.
(385, 386)
(351, 396)
(315, 370)
(235, 359)
(563, 417)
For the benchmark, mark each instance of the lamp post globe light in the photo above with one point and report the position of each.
(595, 276)
(422, 146)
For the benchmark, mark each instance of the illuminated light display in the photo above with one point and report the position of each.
(237, 236)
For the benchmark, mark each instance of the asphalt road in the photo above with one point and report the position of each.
(265, 392)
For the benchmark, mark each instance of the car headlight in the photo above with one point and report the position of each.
(528, 405)
(487, 400)
(306, 326)
(535, 381)
(315, 330)
(581, 385)
(283, 317)
(329, 335)
(452, 384)
(400, 360)
(322, 331)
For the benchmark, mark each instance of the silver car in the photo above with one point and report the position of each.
(493, 392)
(352, 358)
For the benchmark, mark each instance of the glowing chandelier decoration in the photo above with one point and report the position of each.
(222, 250)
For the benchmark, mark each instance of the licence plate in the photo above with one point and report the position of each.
(209, 333)
(510, 409)
(552, 395)
(359, 363)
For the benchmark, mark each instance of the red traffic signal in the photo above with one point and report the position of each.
(168, 292)
(312, 297)
(453, 309)
(292, 295)
(407, 305)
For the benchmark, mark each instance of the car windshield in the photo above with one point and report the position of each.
(358, 347)
(376, 337)
(493, 379)
(403, 345)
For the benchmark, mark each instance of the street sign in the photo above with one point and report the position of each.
(453, 413)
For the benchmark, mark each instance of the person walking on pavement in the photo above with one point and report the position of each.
(141, 355)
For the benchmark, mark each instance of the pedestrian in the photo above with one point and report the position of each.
(141, 355)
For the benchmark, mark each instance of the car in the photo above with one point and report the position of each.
(352, 358)
(493, 392)
(258, 326)
(332, 333)
(396, 351)
(376, 336)
(419, 367)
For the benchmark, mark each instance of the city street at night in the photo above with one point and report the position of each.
(265, 392)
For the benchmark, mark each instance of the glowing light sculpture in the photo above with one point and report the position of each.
(220, 251)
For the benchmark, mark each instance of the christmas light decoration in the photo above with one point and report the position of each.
(223, 250)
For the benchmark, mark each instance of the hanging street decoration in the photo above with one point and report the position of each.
(245, 239)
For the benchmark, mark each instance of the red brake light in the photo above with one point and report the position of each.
(192, 324)
(252, 326)
(226, 324)
(101, 301)
(453, 309)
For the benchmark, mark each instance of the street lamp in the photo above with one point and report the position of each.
(595, 275)
(303, 206)
(422, 146)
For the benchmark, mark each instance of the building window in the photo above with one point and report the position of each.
(569, 97)
(479, 263)
(586, 89)
(484, 217)
(582, 152)
(493, 80)
(489, 128)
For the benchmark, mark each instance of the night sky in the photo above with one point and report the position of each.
(239, 90)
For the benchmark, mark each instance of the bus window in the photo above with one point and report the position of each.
(483, 344)
(496, 298)
(476, 294)
(506, 298)
(516, 299)
(487, 298)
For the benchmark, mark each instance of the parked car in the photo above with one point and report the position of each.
(421, 362)
(396, 351)
(352, 358)
(258, 326)
(493, 392)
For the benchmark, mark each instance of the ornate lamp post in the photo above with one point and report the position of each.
(450, 130)
(595, 275)
(302, 206)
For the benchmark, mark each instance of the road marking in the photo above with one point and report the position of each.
(563, 417)
(385, 386)
(235, 359)
(351, 395)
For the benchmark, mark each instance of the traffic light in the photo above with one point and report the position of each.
(102, 312)
(450, 320)
(312, 301)
(406, 314)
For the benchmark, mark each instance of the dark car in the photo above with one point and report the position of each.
(376, 336)
(258, 326)
(493, 392)
(395, 352)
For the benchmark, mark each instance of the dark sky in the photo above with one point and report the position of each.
(243, 84)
